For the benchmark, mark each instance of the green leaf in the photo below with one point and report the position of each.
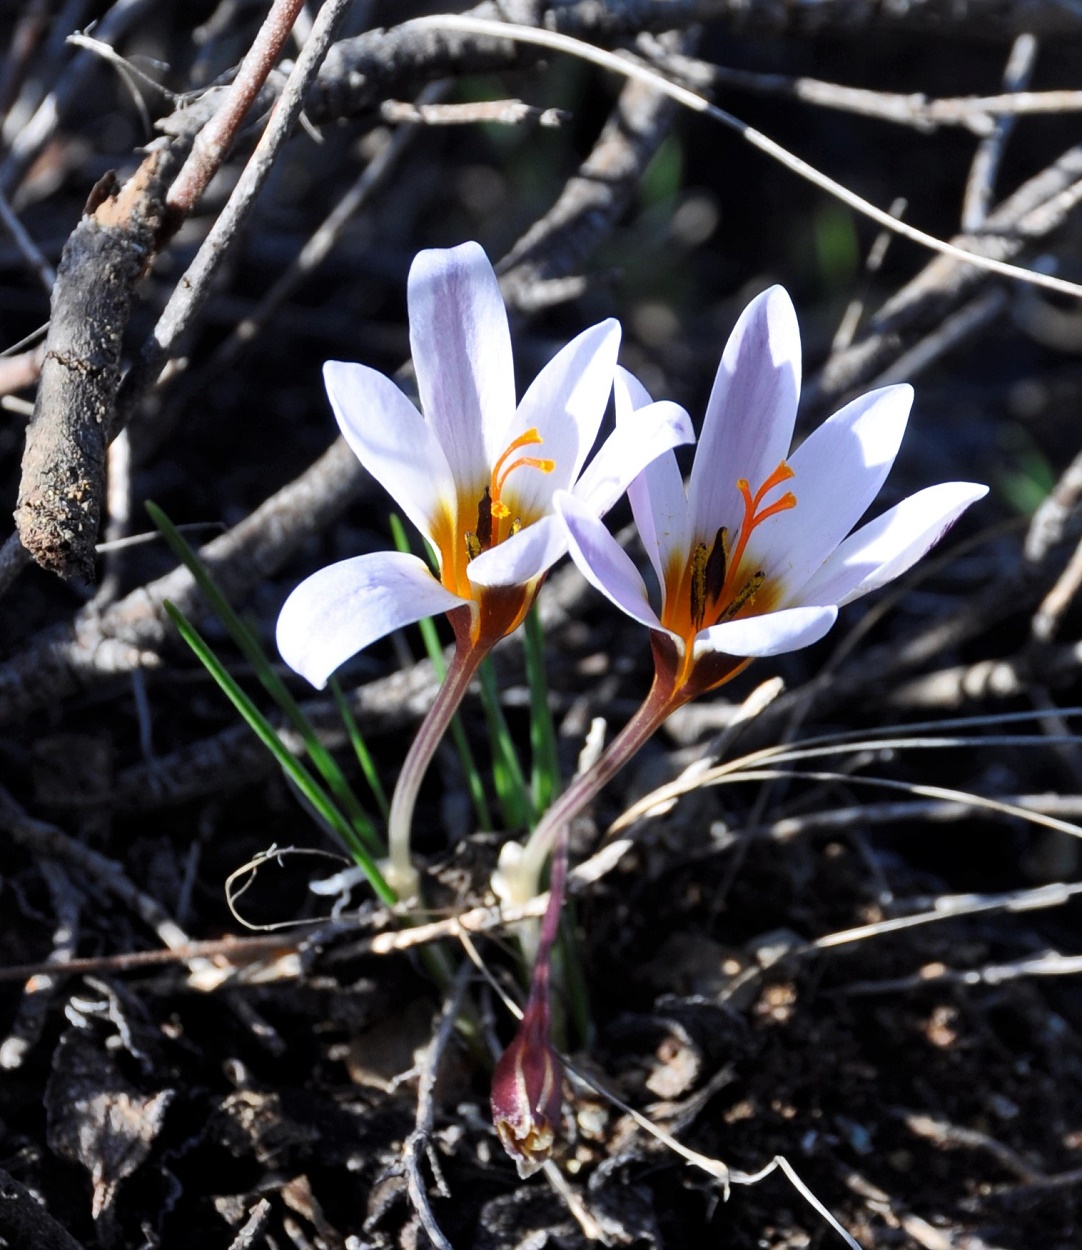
(511, 789)
(311, 790)
(545, 761)
(252, 649)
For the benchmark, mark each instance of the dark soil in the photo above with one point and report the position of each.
(924, 1082)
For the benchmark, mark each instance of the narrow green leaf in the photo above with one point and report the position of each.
(253, 651)
(511, 788)
(360, 749)
(545, 761)
(295, 770)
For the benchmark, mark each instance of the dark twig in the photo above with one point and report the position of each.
(98, 647)
(419, 1139)
(31, 138)
(1033, 211)
(191, 292)
(986, 162)
(213, 142)
(32, 254)
(63, 474)
(592, 201)
(25, 1222)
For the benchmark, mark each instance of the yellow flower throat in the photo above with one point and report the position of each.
(711, 587)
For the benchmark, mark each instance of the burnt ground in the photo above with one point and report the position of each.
(176, 1081)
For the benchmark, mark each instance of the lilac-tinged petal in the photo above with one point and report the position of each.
(658, 500)
(886, 547)
(660, 508)
(391, 439)
(603, 562)
(565, 404)
(462, 354)
(638, 440)
(749, 419)
(343, 608)
(521, 557)
(773, 633)
(837, 472)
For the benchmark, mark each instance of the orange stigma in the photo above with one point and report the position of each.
(505, 466)
(753, 517)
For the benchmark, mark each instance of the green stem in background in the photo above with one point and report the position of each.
(360, 748)
(430, 638)
(253, 652)
(464, 664)
(545, 763)
(293, 768)
(516, 802)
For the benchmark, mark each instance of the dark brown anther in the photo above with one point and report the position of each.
(717, 566)
(745, 595)
(698, 584)
(483, 533)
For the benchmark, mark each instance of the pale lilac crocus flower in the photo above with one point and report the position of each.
(476, 474)
(754, 556)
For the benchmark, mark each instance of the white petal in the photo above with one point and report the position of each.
(603, 562)
(773, 633)
(462, 354)
(838, 471)
(522, 557)
(390, 438)
(749, 419)
(343, 608)
(658, 500)
(884, 548)
(565, 404)
(639, 439)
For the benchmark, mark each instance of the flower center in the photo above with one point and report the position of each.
(714, 587)
(491, 509)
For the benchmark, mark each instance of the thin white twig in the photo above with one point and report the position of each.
(633, 69)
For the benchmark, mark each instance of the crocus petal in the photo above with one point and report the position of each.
(522, 557)
(658, 499)
(639, 439)
(343, 608)
(886, 547)
(564, 404)
(837, 472)
(750, 416)
(603, 562)
(773, 633)
(391, 439)
(462, 354)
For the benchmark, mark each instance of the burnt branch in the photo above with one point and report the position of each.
(63, 472)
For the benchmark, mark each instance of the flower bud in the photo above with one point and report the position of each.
(527, 1093)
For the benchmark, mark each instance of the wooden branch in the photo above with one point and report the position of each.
(63, 473)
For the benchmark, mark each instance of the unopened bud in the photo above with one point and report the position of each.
(527, 1093)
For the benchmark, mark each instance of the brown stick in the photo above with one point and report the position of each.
(63, 472)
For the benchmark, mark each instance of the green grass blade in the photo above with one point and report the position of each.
(295, 770)
(511, 789)
(252, 650)
(431, 640)
(360, 749)
(545, 761)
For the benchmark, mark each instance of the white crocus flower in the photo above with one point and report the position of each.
(476, 474)
(753, 556)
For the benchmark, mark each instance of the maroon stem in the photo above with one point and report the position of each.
(460, 672)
